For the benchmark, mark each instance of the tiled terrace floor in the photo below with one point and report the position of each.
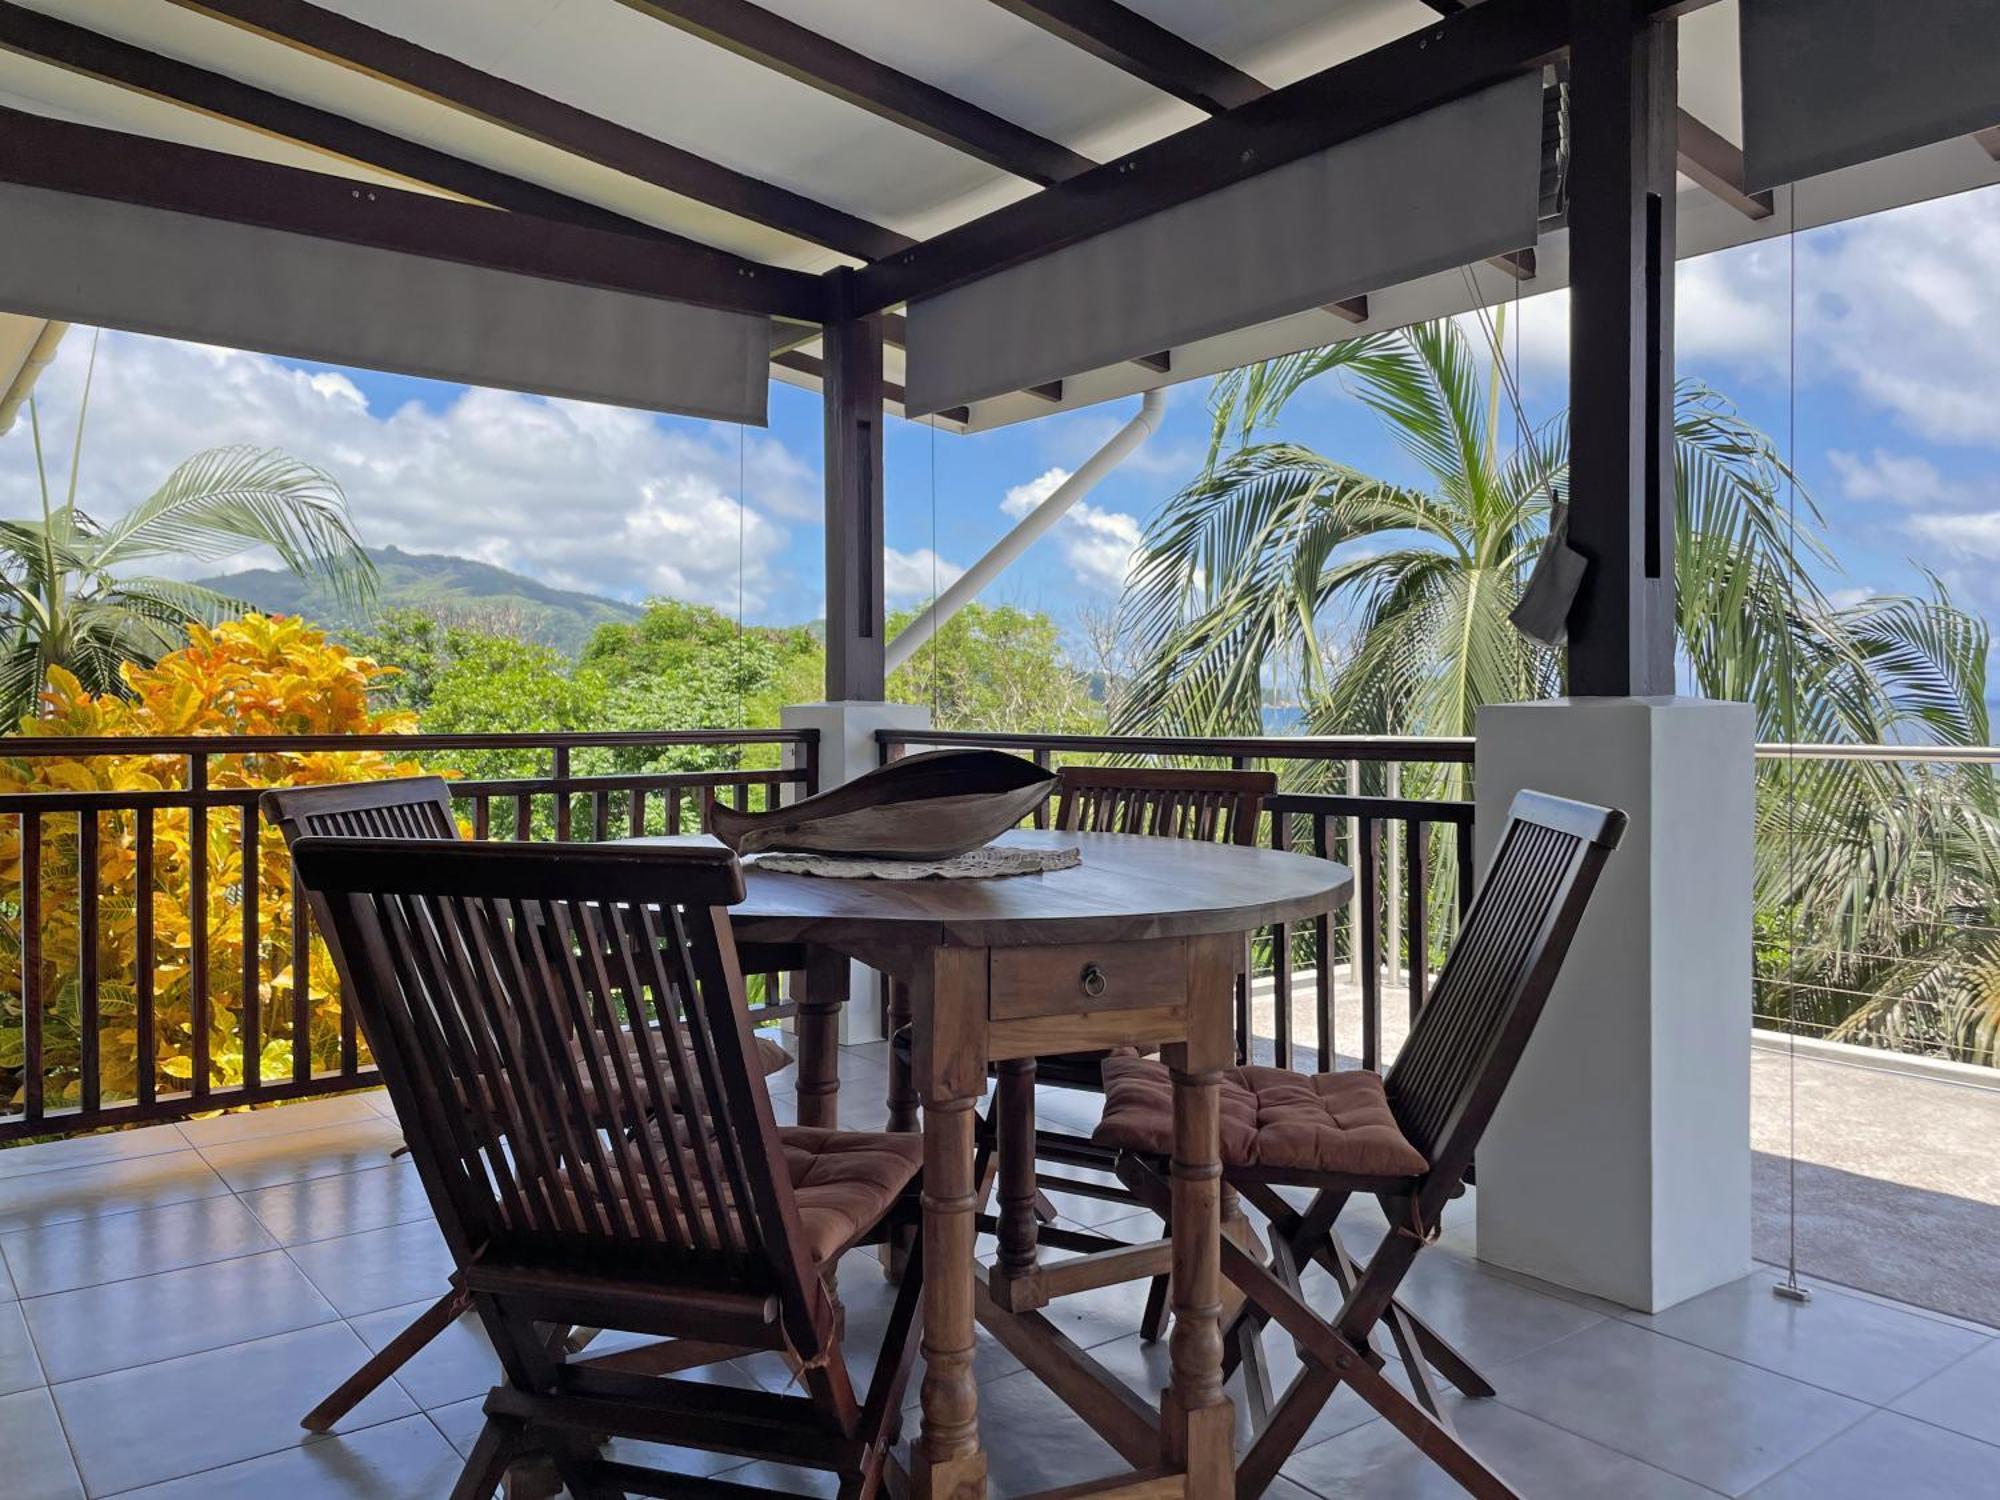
(171, 1301)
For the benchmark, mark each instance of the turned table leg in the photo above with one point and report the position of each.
(1198, 1424)
(947, 1462)
(1019, 1226)
(819, 1038)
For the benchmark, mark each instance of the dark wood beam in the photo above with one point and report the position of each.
(786, 47)
(336, 39)
(83, 159)
(1148, 51)
(1485, 45)
(1349, 310)
(1990, 139)
(813, 365)
(851, 396)
(1623, 72)
(1715, 163)
(90, 54)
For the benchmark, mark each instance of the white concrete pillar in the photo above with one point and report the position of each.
(1619, 1161)
(847, 749)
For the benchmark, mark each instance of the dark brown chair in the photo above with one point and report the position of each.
(1406, 1140)
(568, 1198)
(414, 807)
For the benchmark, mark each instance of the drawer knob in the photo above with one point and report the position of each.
(1093, 981)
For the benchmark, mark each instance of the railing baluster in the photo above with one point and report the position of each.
(89, 1027)
(1368, 856)
(561, 779)
(301, 983)
(600, 815)
(198, 997)
(673, 800)
(638, 811)
(1392, 875)
(33, 1095)
(482, 817)
(1281, 960)
(1416, 840)
(1323, 962)
(144, 963)
(1046, 761)
(252, 1014)
(1466, 883)
(524, 816)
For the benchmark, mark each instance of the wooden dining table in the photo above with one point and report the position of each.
(1140, 944)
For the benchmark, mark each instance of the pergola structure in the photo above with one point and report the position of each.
(821, 167)
(981, 211)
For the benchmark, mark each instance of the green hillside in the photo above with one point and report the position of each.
(456, 590)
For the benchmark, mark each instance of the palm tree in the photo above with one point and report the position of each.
(1384, 607)
(72, 595)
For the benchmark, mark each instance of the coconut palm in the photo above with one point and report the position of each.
(72, 590)
(1383, 606)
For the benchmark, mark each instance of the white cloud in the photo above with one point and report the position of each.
(1097, 544)
(580, 496)
(1974, 535)
(908, 577)
(1899, 479)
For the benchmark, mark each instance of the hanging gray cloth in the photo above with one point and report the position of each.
(1543, 611)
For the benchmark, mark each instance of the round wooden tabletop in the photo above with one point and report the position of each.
(1127, 888)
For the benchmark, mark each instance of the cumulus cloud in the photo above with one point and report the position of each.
(1899, 479)
(1972, 535)
(910, 577)
(591, 497)
(1097, 544)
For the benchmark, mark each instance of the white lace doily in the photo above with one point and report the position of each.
(981, 864)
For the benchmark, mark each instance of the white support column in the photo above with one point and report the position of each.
(847, 749)
(1619, 1161)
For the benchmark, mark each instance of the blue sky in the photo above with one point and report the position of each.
(1896, 322)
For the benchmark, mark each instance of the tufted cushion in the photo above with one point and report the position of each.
(1271, 1117)
(844, 1182)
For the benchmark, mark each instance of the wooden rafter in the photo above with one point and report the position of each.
(90, 54)
(84, 159)
(1483, 46)
(786, 47)
(1715, 163)
(335, 38)
(1148, 51)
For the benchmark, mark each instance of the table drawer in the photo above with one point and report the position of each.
(1078, 977)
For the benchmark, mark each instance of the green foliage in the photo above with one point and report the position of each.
(73, 593)
(996, 667)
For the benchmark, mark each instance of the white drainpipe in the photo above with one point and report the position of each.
(1087, 477)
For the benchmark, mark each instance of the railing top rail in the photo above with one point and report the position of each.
(1388, 809)
(1265, 747)
(1955, 754)
(255, 744)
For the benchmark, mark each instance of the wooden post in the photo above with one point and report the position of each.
(852, 394)
(1197, 1421)
(1621, 244)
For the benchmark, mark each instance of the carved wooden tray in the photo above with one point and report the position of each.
(929, 806)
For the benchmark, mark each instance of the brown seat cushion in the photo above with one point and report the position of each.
(844, 1182)
(1271, 1117)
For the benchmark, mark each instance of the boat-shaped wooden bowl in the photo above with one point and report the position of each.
(930, 806)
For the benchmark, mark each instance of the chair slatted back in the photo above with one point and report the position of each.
(410, 807)
(468, 960)
(1470, 1035)
(1214, 806)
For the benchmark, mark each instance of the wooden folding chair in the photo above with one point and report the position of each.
(413, 807)
(1407, 1140)
(650, 1191)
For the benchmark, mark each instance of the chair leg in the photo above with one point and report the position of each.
(427, 1325)
(1437, 1353)
(1153, 1326)
(498, 1445)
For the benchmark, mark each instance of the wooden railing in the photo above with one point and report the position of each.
(113, 1007)
(1412, 858)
